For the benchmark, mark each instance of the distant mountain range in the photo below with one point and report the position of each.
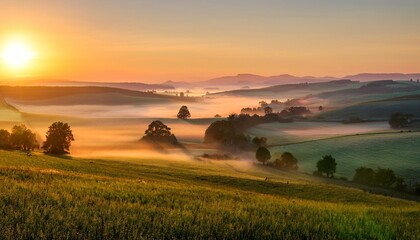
(232, 82)
(383, 76)
(252, 80)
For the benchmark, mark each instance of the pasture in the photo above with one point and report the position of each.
(394, 150)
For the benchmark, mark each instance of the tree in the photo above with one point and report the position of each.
(222, 132)
(287, 160)
(159, 132)
(4, 139)
(327, 165)
(399, 120)
(320, 108)
(385, 177)
(184, 113)
(23, 138)
(268, 110)
(260, 141)
(58, 138)
(263, 155)
(364, 175)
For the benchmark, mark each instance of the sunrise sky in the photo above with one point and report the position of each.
(187, 40)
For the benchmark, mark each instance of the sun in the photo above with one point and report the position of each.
(17, 55)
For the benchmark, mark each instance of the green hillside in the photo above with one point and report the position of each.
(398, 151)
(377, 110)
(46, 197)
(295, 90)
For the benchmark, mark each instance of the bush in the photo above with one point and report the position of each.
(384, 177)
(364, 175)
(399, 120)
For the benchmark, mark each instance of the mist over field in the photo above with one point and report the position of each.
(209, 119)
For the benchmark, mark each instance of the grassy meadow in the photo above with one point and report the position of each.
(395, 150)
(46, 197)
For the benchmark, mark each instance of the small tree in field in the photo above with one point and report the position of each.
(159, 132)
(58, 138)
(327, 165)
(263, 155)
(287, 161)
(184, 113)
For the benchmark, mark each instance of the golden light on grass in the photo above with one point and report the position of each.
(17, 55)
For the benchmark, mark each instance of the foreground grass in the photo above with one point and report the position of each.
(47, 197)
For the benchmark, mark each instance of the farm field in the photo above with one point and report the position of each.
(285, 133)
(134, 198)
(397, 151)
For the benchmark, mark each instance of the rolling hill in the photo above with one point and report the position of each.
(395, 150)
(83, 95)
(294, 90)
(45, 197)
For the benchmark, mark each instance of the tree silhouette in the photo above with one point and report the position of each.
(159, 132)
(4, 139)
(287, 160)
(263, 155)
(268, 110)
(260, 141)
(58, 138)
(327, 165)
(364, 175)
(399, 120)
(220, 132)
(184, 113)
(23, 138)
(385, 177)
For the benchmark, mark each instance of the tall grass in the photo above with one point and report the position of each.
(43, 197)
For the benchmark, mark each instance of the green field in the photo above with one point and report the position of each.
(398, 151)
(46, 197)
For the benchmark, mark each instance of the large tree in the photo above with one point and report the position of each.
(263, 155)
(327, 165)
(58, 138)
(184, 113)
(222, 132)
(23, 138)
(159, 132)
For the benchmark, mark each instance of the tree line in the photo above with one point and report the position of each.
(58, 138)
